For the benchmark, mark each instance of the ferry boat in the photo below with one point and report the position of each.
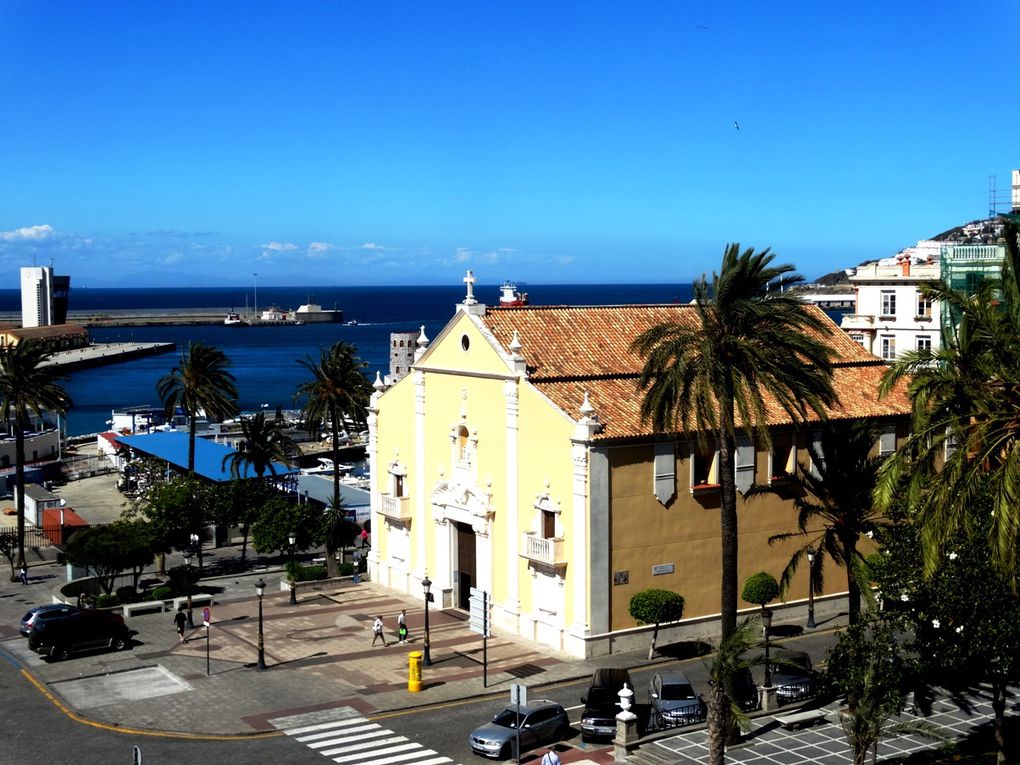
(313, 312)
(510, 297)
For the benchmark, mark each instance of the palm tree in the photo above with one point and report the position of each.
(337, 395)
(264, 443)
(966, 420)
(199, 383)
(28, 385)
(754, 340)
(725, 715)
(837, 496)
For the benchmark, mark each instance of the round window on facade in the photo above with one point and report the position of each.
(465, 342)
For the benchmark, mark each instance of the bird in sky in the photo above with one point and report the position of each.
(736, 124)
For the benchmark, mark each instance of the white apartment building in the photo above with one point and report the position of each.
(891, 316)
(36, 296)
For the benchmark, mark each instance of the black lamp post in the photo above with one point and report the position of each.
(426, 584)
(292, 539)
(811, 588)
(187, 584)
(766, 620)
(260, 588)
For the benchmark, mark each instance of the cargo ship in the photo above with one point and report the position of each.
(311, 312)
(510, 297)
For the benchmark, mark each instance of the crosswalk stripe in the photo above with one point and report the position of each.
(434, 761)
(396, 758)
(324, 726)
(388, 750)
(363, 745)
(333, 734)
(328, 742)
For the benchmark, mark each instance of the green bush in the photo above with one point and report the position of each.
(760, 588)
(656, 606)
(181, 577)
(295, 571)
(160, 593)
(104, 601)
(314, 573)
(127, 594)
(346, 569)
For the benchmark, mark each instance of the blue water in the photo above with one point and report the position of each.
(265, 359)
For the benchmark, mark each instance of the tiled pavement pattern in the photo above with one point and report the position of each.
(770, 744)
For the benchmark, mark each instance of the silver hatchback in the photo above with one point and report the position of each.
(540, 722)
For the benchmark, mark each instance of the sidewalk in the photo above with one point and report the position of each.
(318, 656)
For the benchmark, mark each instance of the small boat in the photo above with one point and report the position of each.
(233, 319)
(326, 466)
(510, 297)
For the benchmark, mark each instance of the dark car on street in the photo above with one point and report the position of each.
(674, 701)
(602, 702)
(80, 630)
(41, 613)
(792, 676)
(540, 722)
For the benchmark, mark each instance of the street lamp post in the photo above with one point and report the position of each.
(766, 620)
(811, 588)
(187, 584)
(260, 588)
(292, 539)
(426, 584)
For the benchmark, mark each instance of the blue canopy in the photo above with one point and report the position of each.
(172, 446)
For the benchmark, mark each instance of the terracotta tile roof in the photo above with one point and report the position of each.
(573, 350)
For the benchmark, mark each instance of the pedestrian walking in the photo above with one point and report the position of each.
(364, 538)
(402, 627)
(377, 631)
(180, 620)
(23, 574)
(551, 758)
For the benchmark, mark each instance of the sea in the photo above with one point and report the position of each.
(265, 360)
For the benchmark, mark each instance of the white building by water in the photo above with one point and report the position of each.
(36, 296)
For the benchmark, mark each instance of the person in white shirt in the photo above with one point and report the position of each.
(551, 758)
(377, 631)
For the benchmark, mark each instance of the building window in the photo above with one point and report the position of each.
(462, 443)
(888, 347)
(888, 303)
(923, 307)
(704, 471)
(924, 342)
(783, 458)
(548, 524)
(859, 339)
(887, 442)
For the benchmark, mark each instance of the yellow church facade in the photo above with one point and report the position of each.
(513, 459)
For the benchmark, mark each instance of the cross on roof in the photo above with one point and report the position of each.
(469, 280)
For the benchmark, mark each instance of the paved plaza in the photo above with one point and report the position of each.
(824, 744)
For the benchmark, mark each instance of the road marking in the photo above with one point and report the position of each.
(354, 740)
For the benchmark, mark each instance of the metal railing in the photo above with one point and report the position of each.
(658, 720)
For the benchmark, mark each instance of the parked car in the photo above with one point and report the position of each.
(540, 721)
(45, 611)
(82, 629)
(792, 676)
(745, 691)
(674, 700)
(601, 704)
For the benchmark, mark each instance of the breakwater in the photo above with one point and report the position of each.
(100, 354)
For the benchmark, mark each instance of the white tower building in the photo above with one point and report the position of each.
(36, 296)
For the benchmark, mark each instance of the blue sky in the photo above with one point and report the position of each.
(194, 143)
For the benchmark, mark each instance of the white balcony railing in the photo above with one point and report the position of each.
(536, 548)
(397, 508)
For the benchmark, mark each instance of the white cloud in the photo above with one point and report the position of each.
(280, 246)
(318, 248)
(28, 233)
(372, 246)
(464, 254)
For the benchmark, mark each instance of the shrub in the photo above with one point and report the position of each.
(127, 594)
(760, 588)
(314, 573)
(180, 577)
(161, 593)
(295, 571)
(104, 601)
(346, 569)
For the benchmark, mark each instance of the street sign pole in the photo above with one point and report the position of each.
(206, 618)
(478, 621)
(518, 696)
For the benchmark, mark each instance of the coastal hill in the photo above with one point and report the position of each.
(985, 231)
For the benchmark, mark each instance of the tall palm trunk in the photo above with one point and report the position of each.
(19, 484)
(853, 588)
(332, 569)
(728, 535)
(999, 709)
(718, 724)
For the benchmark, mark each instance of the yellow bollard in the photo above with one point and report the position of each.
(414, 671)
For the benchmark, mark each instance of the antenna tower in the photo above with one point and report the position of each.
(994, 200)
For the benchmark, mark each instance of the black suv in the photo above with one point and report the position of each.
(598, 720)
(59, 637)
